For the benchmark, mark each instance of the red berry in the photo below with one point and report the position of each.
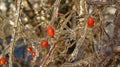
(90, 22)
(44, 44)
(29, 49)
(2, 61)
(50, 31)
(33, 54)
(58, 15)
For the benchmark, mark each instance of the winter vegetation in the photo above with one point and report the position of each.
(59, 33)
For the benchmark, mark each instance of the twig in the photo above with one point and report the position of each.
(67, 19)
(12, 44)
(84, 61)
(100, 3)
(81, 40)
(49, 54)
(55, 11)
(78, 45)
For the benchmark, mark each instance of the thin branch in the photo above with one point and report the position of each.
(49, 54)
(12, 44)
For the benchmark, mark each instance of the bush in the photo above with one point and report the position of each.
(59, 33)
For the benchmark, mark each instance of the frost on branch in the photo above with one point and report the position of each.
(71, 41)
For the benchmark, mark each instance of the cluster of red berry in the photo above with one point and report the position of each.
(2, 61)
(44, 44)
(50, 32)
(29, 50)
